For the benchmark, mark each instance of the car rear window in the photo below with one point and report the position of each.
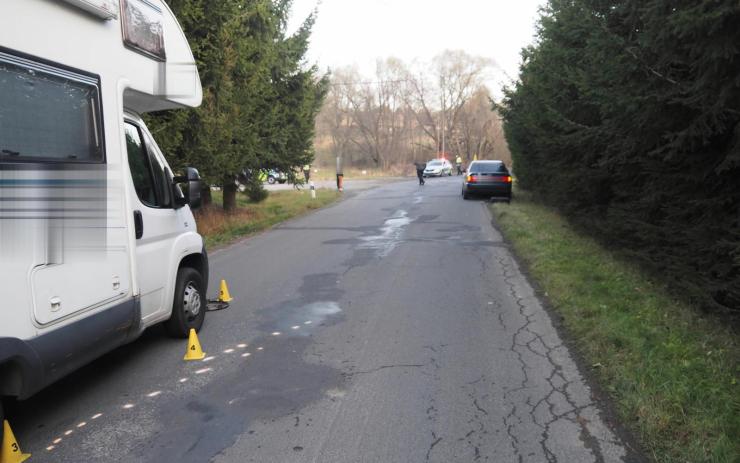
(434, 163)
(492, 167)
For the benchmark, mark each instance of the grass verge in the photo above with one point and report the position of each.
(220, 228)
(673, 372)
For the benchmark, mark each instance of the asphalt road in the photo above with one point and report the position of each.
(394, 326)
(349, 185)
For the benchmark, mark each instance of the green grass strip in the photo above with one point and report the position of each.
(672, 371)
(220, 228)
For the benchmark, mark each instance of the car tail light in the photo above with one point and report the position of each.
(507, 179)
(471, 179)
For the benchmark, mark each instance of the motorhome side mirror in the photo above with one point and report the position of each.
(192, 195)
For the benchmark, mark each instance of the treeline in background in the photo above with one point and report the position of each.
(627, 118)
(260, 98)
(408, 112)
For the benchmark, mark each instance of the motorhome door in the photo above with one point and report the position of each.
(155, 220)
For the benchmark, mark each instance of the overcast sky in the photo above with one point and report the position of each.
(358, 32)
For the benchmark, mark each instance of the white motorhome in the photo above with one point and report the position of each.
(97, 238)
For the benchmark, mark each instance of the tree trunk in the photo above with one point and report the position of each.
(229, 190)
(205, 195)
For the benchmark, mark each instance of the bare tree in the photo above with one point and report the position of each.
(377, 112)
(439, 101)
(402, 114)
(335, 119)
(479, 130)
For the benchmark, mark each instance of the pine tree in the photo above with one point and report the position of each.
(259, 98)
(627, 118)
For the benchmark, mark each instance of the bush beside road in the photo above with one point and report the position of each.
(673, 372)
(219, 227)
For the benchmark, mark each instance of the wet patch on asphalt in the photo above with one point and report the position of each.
(316, 303)
(272, 384)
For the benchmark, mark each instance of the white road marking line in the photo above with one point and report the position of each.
(307, 322)
(295, 327)
(129, 406)
(490, 302)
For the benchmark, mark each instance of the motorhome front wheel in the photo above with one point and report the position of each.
(189, 304)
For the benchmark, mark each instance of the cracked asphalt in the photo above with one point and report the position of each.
(394, 326)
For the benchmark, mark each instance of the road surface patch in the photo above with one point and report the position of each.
(130, 405)
(326, 309)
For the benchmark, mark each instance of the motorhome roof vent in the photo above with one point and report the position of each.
(104, 9)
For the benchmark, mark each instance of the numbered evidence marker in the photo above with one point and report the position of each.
(11, 451)
(194, 351)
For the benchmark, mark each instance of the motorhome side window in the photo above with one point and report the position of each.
(47, 114)
(147, 171)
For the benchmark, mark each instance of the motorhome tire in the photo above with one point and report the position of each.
(189, 304)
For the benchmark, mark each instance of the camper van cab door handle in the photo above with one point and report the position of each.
(138, 224)
(56, 303)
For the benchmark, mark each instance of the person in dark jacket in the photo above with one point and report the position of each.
(420, 166)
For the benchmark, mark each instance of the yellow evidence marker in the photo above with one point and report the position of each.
(224, 295)
(194, 351)
(11, 451)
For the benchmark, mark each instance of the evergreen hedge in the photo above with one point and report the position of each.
(626, 117)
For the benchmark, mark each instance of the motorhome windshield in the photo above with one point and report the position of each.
(45, 115)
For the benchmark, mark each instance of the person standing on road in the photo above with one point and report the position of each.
(420, 166)
(307, 172)
(458, 163)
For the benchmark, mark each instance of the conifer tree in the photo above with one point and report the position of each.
(626, 117)
(260, 99)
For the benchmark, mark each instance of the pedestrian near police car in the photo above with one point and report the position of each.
(458, 164)
(420, 166)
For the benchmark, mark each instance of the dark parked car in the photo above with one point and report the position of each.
(487, 178)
